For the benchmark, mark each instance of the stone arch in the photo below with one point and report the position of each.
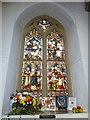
(54, 10)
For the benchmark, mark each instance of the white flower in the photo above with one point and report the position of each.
(19, 93)
(30, 102)
(23, 104)
(20, 96)
(26, 93)
(14, 98)
(23, 98)
(12, 101)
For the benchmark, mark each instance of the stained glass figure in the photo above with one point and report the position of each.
(55, 55)
(55, 47)
(44, 24)
(33, 46)
(32, 64)
(35, 54)
(55, 42)
(32, 68)
(32, 74)
(56, 72)
(56, 68)
(32, 83)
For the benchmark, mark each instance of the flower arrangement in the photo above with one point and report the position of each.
(23, 103)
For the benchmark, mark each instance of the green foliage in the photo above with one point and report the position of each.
(20, 110)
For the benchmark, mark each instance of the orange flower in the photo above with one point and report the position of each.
(17, 96)
(28, 98)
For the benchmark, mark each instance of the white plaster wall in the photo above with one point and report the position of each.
(10, 35)
(77, 46)
(79, 53)
(78, 69)
(0, 59)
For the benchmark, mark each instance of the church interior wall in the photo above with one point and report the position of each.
(16, 15)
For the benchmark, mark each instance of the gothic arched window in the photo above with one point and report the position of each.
(44, 68)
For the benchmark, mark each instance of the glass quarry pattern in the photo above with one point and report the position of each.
(32, 63)
(44, 24)
(56, 68)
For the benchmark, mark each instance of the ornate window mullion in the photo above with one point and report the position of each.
(44, 90)
(46, 51)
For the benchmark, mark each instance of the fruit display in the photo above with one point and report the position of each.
(77, 109)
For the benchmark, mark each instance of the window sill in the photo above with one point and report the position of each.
(65, 115)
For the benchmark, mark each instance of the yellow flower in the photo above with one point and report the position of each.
(34, 101)
(22, 101)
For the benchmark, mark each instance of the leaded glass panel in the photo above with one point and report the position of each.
(56, 68)
(32, 63)
(44, 61)
(33, 46)
(44, 24)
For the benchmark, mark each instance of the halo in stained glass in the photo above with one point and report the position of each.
(44, 24)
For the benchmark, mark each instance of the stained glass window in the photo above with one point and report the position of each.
(44, 24)
(33, 46)
(56, 68)
(32, 64)
(44, 62)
